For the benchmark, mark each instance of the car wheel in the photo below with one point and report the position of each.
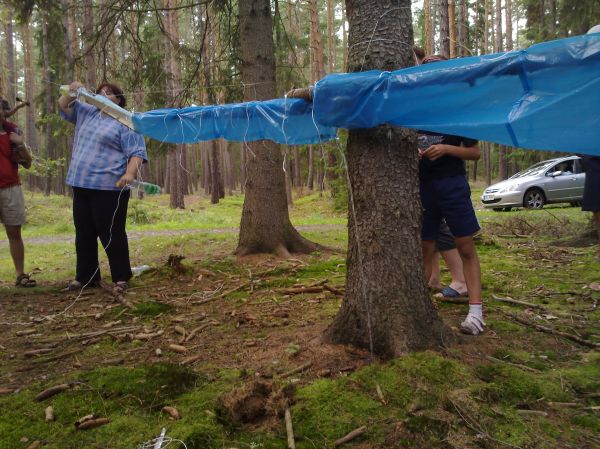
(534, 199)
(575, 203)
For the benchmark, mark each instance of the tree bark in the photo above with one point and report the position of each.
(175, 159)
(10, 56)
(428, 29)
(386, 307)
(444, 29)
(452, 27)
(265, 224)
(30, 129)
(48, 106)
(88, 32)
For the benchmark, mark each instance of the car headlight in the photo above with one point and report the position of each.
(510, 188)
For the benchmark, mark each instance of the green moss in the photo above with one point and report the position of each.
(511, 385)
(150, 309)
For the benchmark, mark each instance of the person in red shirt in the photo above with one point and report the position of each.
(12, 203)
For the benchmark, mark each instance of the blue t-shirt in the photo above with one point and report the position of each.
(444, 166)
(101, 148)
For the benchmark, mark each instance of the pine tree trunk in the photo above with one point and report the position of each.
(88, 32)
(48, 107)
(30, 129)
(498, 18)
(265, 225)
(387, 307)
(11, 91)
(444, 29)
(331, 35)
(310, 176)
(175, 161)
(288, 177)
(509, 20)
(463, 28)
(428, 29)
(215, 174)
(452, 27)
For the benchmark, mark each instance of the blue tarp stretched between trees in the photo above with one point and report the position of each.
(546, 97)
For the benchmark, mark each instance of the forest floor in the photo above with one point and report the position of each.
(231, 343)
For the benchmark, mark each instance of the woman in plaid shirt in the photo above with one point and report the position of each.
(106, 157)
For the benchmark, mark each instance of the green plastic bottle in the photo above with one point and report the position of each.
(148, 188)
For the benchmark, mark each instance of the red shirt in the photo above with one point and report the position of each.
(9, 171)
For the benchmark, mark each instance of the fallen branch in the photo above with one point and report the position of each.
(380, 394)
(36, 352)
(177, 348)
(193, 333)
(35, 445)
(298, 369)
(532, 412)
(190, 359)
(58, 357)
(516, 365)
(552, 331)
(291, 444)
(91, 423)
(355, 433)
(52, 391)
(516, 301)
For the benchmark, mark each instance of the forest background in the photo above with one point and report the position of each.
(176, 54)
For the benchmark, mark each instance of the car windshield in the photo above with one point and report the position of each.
(534, 170)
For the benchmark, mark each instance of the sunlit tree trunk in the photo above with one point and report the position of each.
(428, 29)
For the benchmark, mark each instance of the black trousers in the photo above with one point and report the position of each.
(93, 212)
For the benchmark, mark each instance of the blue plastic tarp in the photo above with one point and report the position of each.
(286, 121)
(546, 97)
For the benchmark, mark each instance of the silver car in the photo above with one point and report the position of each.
(557, 180)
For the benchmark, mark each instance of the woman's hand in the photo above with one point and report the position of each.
(15, 138)
(75, 85)
(125, 179)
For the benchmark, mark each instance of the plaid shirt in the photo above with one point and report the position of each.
(101, 148)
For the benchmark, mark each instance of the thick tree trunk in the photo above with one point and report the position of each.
(310, 175)
(498, 18)
(265, 225)
(387, 307)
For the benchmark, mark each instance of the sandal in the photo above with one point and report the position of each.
(120, 287)
(75, 285)
(23, 280)
(449, 292)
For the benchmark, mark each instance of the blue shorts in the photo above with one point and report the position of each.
(450, 199)
(591, 191)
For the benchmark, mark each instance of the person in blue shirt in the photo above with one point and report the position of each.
(446, 195)
(106, 157)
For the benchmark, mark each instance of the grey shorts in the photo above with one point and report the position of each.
(12, 206)
(445, 239)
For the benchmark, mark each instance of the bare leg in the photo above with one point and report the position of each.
(471, 267)
(428, 248)
(17, 249)
(435, 281)
(455, 265)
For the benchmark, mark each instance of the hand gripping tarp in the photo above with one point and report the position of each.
(546, 97)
